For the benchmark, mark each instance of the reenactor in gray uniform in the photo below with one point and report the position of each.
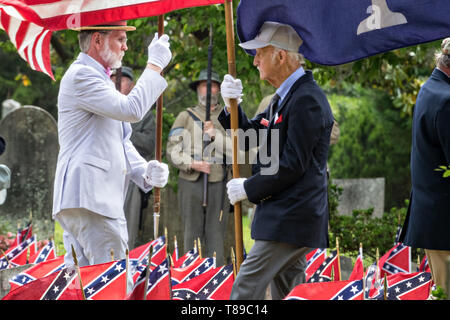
(184, 151)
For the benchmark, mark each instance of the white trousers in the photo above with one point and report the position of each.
(93, 236)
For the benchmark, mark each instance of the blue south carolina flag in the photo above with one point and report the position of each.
(339, 31)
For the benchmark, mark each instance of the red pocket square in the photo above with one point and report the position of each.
(280, 118)
(264, 122)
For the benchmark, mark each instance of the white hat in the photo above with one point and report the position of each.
(279, 35)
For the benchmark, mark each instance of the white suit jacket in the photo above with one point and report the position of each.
(96, 158)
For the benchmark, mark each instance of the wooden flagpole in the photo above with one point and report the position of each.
(77, 269)
(158, 148)
(338, 258)
(234, 126)
(147, 275)
(364, 274)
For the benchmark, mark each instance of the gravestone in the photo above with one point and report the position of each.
(6, 275)
(361, 194)
(31, 153)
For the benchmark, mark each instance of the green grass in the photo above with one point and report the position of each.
(248, 241)
(59, 239)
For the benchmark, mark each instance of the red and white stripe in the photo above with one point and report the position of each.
(29, 23)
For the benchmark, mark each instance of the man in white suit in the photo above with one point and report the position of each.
(96, 159)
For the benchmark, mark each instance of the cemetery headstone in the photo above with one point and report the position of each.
(31, 153)
(361, 194)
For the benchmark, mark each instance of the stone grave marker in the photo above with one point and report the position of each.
(361, 194)
(31, 154)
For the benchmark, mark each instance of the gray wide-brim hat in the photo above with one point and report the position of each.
(203, 76)
(277, 34)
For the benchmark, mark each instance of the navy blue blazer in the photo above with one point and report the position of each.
(292, 204)
(427, 223)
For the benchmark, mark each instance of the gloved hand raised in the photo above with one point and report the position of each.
(159, 52)
(157, 174)
(235, 190)
(231, 88)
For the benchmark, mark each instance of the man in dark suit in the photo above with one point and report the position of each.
(427, 222)
(290, 190)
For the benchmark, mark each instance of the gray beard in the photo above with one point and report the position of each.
(202, 100)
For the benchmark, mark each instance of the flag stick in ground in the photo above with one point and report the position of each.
(147, 274)
(166, 238)
(127, 269)
(233, 261)
(199, 248)
(2, 253)
(378, 271)
(112, 254)
(158, 146)
(231, 55)
(385, 287)
(77, 269)
(338, 258)
(364, 274)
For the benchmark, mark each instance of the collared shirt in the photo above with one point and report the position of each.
(443, 72)
(95, 64)
(284, 88)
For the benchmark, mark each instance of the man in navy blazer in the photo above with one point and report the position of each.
(427, 222)
(290, 190)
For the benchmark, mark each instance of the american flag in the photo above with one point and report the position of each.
(106, 281)
(406, 286)
(215, 284)
(397, 259)
(29, 23)
(17, 255)
(334, 290)
(323, 273)
(193, 270)
(158, 285)
(47, 252)
(59, 285)
(313, 260)
(37, 271)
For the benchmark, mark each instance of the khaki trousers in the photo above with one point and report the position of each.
(437, 259)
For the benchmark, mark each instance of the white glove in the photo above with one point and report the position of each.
(159, 52)
(231, 88)
(157, 174)
(235, 190)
